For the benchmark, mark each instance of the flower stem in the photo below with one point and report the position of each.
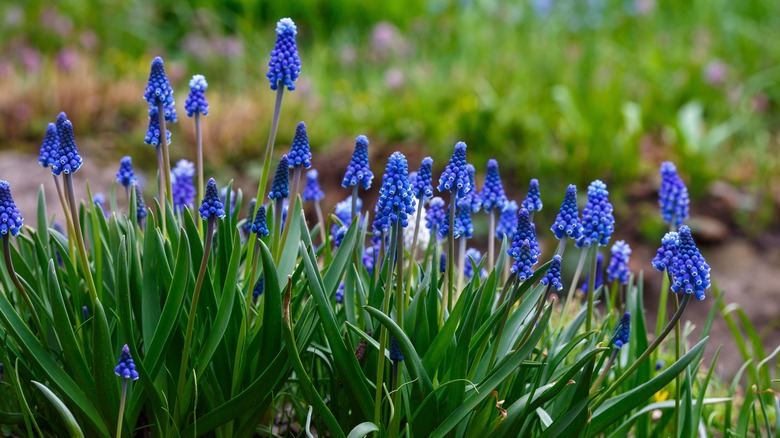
(293, 206)
(166, 156)
(9, 266)
(161, 187)
(121, 409)
(399, 280)
(591, 286)
(603, 374)
(354, 201)
(491, 239)
(508, 287)
(321, 220)
(82, 250)
(413, 251)
(573, 286)
(383, 339)
(199, 161)
(561, 246)
(677, 379)
(461, 265)
(277, 234)
(66, 212)
(450, 255)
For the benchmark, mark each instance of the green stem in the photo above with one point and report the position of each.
(603, 374)
(166, 156)
(199, 161)
(491, 239)
(161, 187)
(277, 232)
(461, 265)
(380, 364)
(82, 250)
(413, 251)
(291, 208)
(677, 380)
(66, 212)
(321, 220)
(573, 286)
(561, 246)
(450, 255)
(399, 281)
(594, 250)
(121, 409)
(509, 285)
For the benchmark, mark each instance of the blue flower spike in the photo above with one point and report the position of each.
(435, 214)
(623, 331)
(125, 176)
(618, 270)
(158, 89)
(673, 195)
(126, 367)
(50, 146)
(358, 170)
(524, 262)
(525, 231)
(598, 223)
(663, 258)
(153, 132)
(69, 160)
(455, 178)
(396, 201)
(567, 224)
(285, 64)
(259, 226)
(533, 201)
(300, 152)
(471, 199)
(259, 288)
(312, 191)
(690, 271)
(507, 221)
(463, 224)
(211, 206)
(140, 205)
(492, 195)
(395, 351)
(423, 182)
(11, 219)
(182, 185)
(196, 102)
(553, 276)
(280, 188)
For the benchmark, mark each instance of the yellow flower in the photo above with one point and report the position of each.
(661, 395)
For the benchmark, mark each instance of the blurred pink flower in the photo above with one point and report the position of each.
(30, 59)
(67, 59)
(715, 72)
(394, 78)
(761, 103)
(88, 39)
(387, 41)
(348, 55)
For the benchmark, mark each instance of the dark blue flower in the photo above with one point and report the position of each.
(623, 330)
(250, 216)
(567, 224)
(196, 102)
(85, 312)
(140, 205)
(258, 290)
(455, 175)
(280, 188)
(395, 351)
(598, 224)
(617, 270)
(69, 160)
(158, 89)
(259, 225)
(300, 153)
(61, 118)
(153, 132)
(338, 236)
(211, 206)
(423, 182)
(553, 275)
(663, 258)
(312, 192)
(524, 261)
(659, 364)
(50, 146)
(533, 202)
(442, 263)
(285, 64)
(690, 272)
(525, 230)
(126, 368)
(435, 214)
(599, 275)
(182, 187)
(492, 195)
(369, 258)
(340, 293)
(472, 254)
(358, 170)
(11, 219)
(343, 211)
(395, 202)
(507, 221)
(125, 176)
(470, 200)
(673, 195)
(169, 113)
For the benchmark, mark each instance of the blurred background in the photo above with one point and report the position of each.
(562, 90)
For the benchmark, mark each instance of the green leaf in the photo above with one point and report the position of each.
(667, 404)
(363, 429)
(103, 363)
(67, 417)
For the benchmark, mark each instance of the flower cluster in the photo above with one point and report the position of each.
(567, 224)
(524, 261)
(140, 205)
(259, 288)
(673, 195)
(69, 160)
(11, 219)
(312, 191)
(396, 201)
(211, 206)
(470, 200)
(182, 186)
(280, 188)
(158, 89)
(300, 153)
(126, 367)
(617, 270)
(435, 216)
(285, 64)
(259, 225)
(125, 177)
(623, 330)
(358, 170)
(472, 256)
(153, 132)
(598, 224)
(395, 351)
(492, 195)
(50, 146)
(196, 102)
(455, 175)
(663, 258)
(690, 272)
(507, 221)
(533, 201)
(422, 185)
(525, 231)
(553, 276)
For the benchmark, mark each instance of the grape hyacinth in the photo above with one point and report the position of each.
(300, 153)
(533, 201)
(285, 64)
(223, 197)
(338, 236)
(358, 170)
(617, 270)
(597, 220)
(442, 263)
(507, 221)
(50, 146)
(340, 293)
(553, 276)
(690, 272)
(663, 258)
(471, 200)
(312, 191)
(455, 175)
(182, 187)
(369, 258)
(673, 195)
(524, 261)
(622, 331)
(100, 201)
(259, 288)
(153, 132)
(463, 225)
(11, 219)
(567, 224)
(196, 102)
(280, 188)
(250, 216)
(211, 206)
(395, 202)
(525, 231)
(435, 216)
(126, 367)
(422, 186)
(468, 269)
(69, 160)
(343, 211)
(125, 176)
(395, 351)
(259, 225)
(492, 195)
(140, 206)
(158, 89)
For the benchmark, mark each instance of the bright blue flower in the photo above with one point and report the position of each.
(663, 258)
(196, 102)
(50, 146)
(358, 170)
(340, 293)
(211, 206)
(396, 201)
(312, 192)
(553, 275)
(468, 268)
(250, 217)
(395, 351)
(525, 231)
(69, 160)
(343, 211)
(126, 177)
(61, 118)
(85, 312)
(423, 182)
(659, 364)
(158, 89)
(182, 186)
(11, 219)
(623, 330)
(169, 113)
(599, 275)
(153, 132)
(471, 200)
(259, 225)
(300, 153)
(455, 175)
(435, 214)
(280, 188)
(492, 195)
(463, 225)
(140, 205)
(507, 221)
(567, 224)
(285, 64)
(524, 261)
(618, 263)
(673, 195)
(598, 224)
(126, 368)
(533, 202)
(338, 237)
(369, 258)
(259, 288)
(690, 272)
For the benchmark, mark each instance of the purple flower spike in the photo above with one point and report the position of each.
(358, 170)
(673, 195)
(182, 186)
(140, 205)
(312, 192)
(126, 367)
(125, 176)
(196, 102)
(455, 176)
(211, 205)
(663, 258)
(395, 202)
(507, 221)
(300, 153)
(69, 160)
(423, 182)
(690, 272)
(617, 270)
(153, 132)
(567, 224)
(524, 262)
(533, 202)
(158, 89)
(11, 219)
(553, 276)
(471, 200)
(526, 231)
(280, 188)
(259, 226)
(435, 214)
(623, 330)
(50, 146)
(598, 224)
(285, 64)
(492, 195)
(395, 351)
